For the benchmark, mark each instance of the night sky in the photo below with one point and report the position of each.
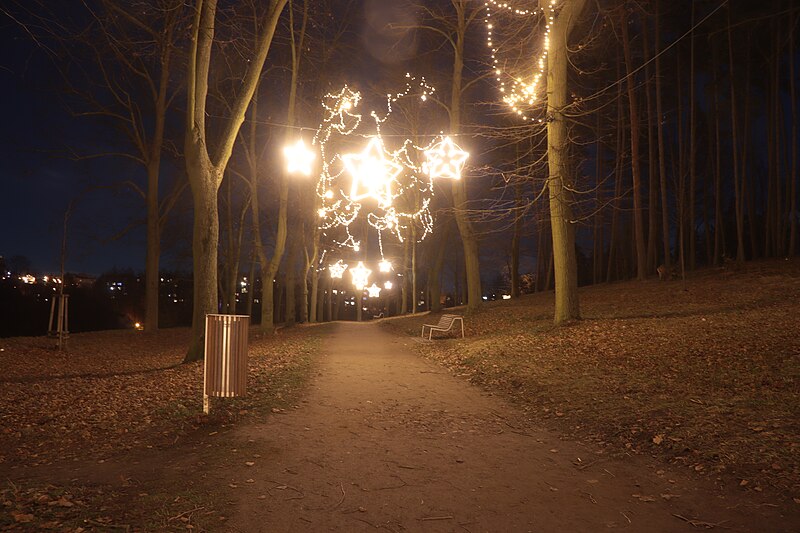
(39, 178)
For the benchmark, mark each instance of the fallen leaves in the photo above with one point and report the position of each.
(707, 377)
(114, 393)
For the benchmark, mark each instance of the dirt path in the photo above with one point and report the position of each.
(387, 440)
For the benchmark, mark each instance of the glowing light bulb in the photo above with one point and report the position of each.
(298, 158)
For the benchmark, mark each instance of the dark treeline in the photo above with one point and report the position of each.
(684, 137)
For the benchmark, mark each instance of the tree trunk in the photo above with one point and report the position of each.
(204, 253)
(205, 173)
(638, 224)
(414, 290)
(620, 149)
(515, 240)
(406, 278)
(719, 220)
(559, 180)
(662, 161)
(652, 199)
(435, 272)
(468, 238)
(692, 223)
(737, 185)
(793, 175)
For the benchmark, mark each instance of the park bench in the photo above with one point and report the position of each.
(445, 324)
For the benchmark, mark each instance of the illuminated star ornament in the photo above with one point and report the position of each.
(337, 269)
(385, 266)
(385, 185)
(360, 276)
(298, 158)
(445, 160)
(374, 291)
(372, 173)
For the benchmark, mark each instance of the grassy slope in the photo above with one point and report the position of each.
(706, 374)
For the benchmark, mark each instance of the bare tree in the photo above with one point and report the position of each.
(207, 155)
(559, 181)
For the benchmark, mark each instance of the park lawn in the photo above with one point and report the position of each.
(124, 397)
(704, 374)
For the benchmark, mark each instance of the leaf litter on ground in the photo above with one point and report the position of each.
(704, 374)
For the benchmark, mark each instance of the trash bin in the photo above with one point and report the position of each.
(225, 369)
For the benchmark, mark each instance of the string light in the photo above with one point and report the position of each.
(298, 158)
(347, 183)
(374, 291)
(519, 93)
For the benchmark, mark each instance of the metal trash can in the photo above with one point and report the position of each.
(225, 367)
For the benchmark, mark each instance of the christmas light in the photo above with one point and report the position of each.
(374, 291)
(387, 285)
(519, 93)
(373, 173)
(349, 183)
(385, 266)
(337, 269)
(445, 160)
(360, 275)
(299, 158)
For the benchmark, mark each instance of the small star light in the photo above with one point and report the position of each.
(298, 158)
(385, 266)
(374, 291)
(360, 276)
(337, 269)
(372, 173)
(445, 160)
(387, 285)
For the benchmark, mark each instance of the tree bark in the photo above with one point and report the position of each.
(205, 172)
(435, 272)
(737, 185)
(559, 180)
(793, 176)
(652, 199)
(638, 224)
(662, 155)
(460, 202)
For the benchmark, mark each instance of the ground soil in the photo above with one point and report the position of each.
(368, 436)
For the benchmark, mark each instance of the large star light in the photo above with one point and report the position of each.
(337, 269)
(360, 276)
(372, 173)
(298, 158)
(445, 160)
(374, 291)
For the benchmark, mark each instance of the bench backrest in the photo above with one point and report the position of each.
(446, 321)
